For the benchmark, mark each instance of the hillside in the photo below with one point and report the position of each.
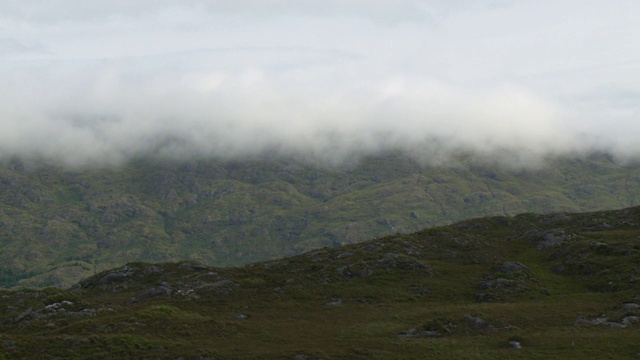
(531, 287)
(58, 226)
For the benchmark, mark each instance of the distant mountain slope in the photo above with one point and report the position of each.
(57, 226)
(532, 286)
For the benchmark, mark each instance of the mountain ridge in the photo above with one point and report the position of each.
(57, 226)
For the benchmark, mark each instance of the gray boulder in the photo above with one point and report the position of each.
(110, 278)
(510, 267)
(478, 323)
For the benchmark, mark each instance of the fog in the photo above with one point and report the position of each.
(512, 82)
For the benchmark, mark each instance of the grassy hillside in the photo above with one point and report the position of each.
(58, 226)
(529, 287)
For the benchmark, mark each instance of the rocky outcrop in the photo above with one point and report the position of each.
(506, 279)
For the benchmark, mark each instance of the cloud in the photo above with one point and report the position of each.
(331, 80)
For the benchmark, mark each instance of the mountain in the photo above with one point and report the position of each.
(561, 285)
(59, 225)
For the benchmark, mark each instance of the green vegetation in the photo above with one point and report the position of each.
(560, 285)
(59, 226)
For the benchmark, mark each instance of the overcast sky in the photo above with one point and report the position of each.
(85, 82)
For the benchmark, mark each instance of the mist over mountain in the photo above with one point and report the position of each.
(337, 179)
(59, 225)
(511, 82)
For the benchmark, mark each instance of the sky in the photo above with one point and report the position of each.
(99, 82)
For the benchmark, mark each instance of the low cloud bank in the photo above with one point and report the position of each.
(105, 116)
(508, 82)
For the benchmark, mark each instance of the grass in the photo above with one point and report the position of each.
(310, 306)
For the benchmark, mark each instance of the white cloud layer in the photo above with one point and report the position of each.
(100, 82)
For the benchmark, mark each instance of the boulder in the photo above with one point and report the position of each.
(110, 278)
(477, 322)
(223, 283)
(510, 267)
(496, 284)
(156, 291)
(160, 290)
(630, 320)
(515, 344)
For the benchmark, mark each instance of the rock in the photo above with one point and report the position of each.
(161, 290)
(86, 312)
(478, 323)
(630, 306)
(547, 239)
(630, 320)
(335, 302)
(110, 278)
(58, 307)
(515, 344)
(496, 284)
(344, 254)
(510, 267)
(581, 320)
(224, 283)
(409, 332)
(389, 261)
(612, 324)
(156, 291)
